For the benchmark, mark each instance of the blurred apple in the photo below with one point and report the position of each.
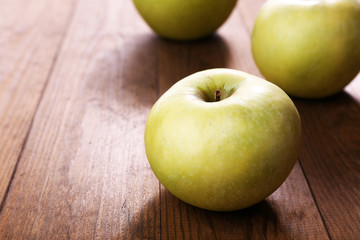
(222, 139)
(310, 48)
(184, 19)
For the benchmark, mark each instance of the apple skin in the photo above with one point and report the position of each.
(309, 48)
(222, 155)
(184, 19)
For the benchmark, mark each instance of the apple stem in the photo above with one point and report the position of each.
(217, 95)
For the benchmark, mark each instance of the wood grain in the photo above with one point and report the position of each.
(331, 160)
(27, 54)
(83, 173)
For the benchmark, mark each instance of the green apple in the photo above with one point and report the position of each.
(222, 139)
(184, 19)
(309, 48)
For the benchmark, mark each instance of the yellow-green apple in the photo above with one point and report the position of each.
(310, 48)
(184, 19)
(222, 139)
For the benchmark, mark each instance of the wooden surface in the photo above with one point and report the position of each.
(77, 80)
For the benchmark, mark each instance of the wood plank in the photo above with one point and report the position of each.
(31, 34)
(83, 173)
(331, 157)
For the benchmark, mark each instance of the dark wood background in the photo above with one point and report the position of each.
(77, 80)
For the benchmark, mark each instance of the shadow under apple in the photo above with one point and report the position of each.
(132, 72)
(154, 64)
(166, 217)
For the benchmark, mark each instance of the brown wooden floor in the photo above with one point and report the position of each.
(77, 80)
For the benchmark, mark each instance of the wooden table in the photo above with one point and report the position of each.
(77, 80)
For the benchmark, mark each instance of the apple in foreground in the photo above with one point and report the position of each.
(184, 19)
(222, 139)
(309, 48)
